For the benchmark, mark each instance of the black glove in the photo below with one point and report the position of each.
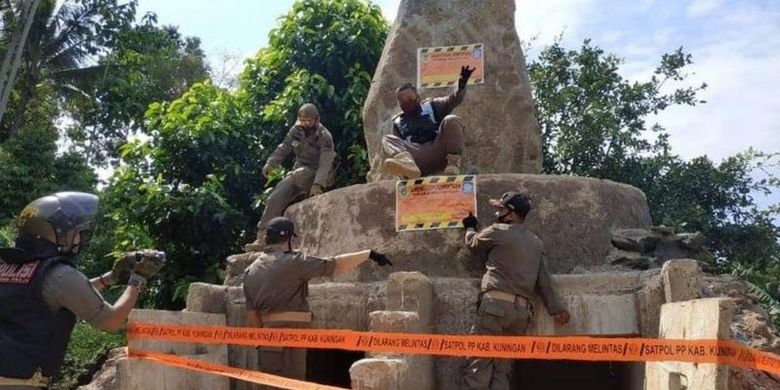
(379, 258)
(470, 222)
(465, 73)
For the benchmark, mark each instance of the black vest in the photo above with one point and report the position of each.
(31, 336)
(420, 127)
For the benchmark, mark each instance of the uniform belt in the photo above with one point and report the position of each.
(505, 296)
(291, 316)
(37, 380)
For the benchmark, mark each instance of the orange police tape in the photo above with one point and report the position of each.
(237, 373)
(511, 347)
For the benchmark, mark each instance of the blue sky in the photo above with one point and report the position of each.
(735, 46)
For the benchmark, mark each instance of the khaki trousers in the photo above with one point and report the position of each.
(495, 317)
(430, 157)
(286, 362)
(297, 183)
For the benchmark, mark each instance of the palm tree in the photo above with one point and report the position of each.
(61, 50)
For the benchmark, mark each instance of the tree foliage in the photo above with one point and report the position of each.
(595, 123)
(148, 64)
(63, 38)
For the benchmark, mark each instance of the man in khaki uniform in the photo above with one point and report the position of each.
(426, 139)
(312, 144)
(276, 287)
(515, 270)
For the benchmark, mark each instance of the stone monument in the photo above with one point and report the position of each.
(502, 135)
(596, 232)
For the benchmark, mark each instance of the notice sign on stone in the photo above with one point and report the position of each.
(440, 66)
(435, 202)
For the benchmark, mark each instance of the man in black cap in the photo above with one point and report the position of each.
(42, 293)
(276, 286)
(515, 270)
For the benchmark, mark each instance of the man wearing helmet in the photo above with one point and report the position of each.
(276, 287)
(515, 270)
(312, 144)
(42, 294)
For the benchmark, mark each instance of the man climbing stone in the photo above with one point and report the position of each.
(515, 269)
(312, 144)
(426, 139)
(276, 287)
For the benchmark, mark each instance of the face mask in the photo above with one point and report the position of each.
(502, 218)
(409, 107)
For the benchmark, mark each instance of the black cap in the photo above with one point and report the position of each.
(514, 201)
(281, 227)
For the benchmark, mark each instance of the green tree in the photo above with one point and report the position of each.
(195, 186)
(147, 64)
(594, 123)
(62, 40)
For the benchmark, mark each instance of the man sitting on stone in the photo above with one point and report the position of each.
(426, 139)
(515, 270)
(276, 287)
(312, 144)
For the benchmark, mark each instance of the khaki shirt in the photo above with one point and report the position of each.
(314, 150)
(514, 263)
(279, 281)
(66, 287)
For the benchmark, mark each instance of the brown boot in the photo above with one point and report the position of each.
(402, 165)
(453, 165)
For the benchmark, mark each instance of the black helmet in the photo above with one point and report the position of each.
(280, 227)
(59, 218)
(514, 201)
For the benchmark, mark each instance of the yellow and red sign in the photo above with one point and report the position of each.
(435, 202)
(440, 66)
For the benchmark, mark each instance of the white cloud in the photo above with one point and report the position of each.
(703, 7)
(545, 20)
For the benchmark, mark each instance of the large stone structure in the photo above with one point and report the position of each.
(599, 243)
(502, 134)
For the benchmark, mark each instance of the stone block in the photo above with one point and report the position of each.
(380, 374)
(606, 315)
(207, 298)
(411, 291)
(136, 374)
(708, 318)
(635, 240)
(681, 280)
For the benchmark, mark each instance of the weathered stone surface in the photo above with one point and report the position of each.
(411, 291)
(207, 298)
(236, 265)
(635, 240)
(633, 260)
(420, 366)
(380, 374)
(502, 134)
(708, 318)
(692, 241)
(751, 326)
(106, 377)
(681, 280)
(573, 216)
(136, 374)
